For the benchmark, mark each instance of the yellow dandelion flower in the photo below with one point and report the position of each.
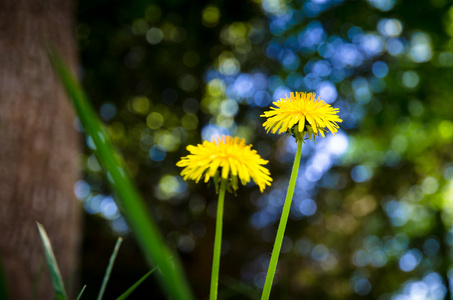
(232, 155)
(302, 113)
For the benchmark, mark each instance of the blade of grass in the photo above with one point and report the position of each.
(110, 267)
(129, 201)
(55, 275)
(81, 292)
(132, 288)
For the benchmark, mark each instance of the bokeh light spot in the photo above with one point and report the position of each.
(81, 189)
(384, 5)
(362, 287)
(186, 243)
(189, 121)
(380, 69)
(108, 111)
(307, 207)
(154, 35)
(210, 16)
(157, 153)
(420, 50)
(141, 105)
(361, 173)
(410, 79)
(430, 185)
(390, 27)
(154, 120)
(410, 260)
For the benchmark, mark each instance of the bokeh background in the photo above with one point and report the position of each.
(372, 213)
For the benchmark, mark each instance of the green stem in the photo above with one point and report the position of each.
(217, 243)
(282, 225)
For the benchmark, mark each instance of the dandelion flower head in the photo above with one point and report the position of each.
(301, 113)
(225, 158)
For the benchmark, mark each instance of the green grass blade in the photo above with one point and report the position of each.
(129, 201)
(55, 275)
(109, 268)
(81, 292)
(132, 288)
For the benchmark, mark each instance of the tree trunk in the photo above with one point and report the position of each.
(39, 146)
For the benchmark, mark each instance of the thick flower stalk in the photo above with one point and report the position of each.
(298, 115)
(226, 160)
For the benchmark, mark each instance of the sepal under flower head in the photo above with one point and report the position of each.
(225, 158)
(302, 114)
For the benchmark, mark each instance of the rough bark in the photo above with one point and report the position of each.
(39, 146)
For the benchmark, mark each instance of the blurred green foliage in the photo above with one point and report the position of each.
(128, 201)
(372, 214)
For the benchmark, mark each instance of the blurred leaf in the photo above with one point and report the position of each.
(81, 292)
(110, 267)
(132, 288)
(128, 199)
(55, 275)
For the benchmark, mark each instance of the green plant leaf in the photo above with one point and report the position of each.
(110, 267)
(55, 275)
(129, 201)
(81, 292)
(132, 288)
